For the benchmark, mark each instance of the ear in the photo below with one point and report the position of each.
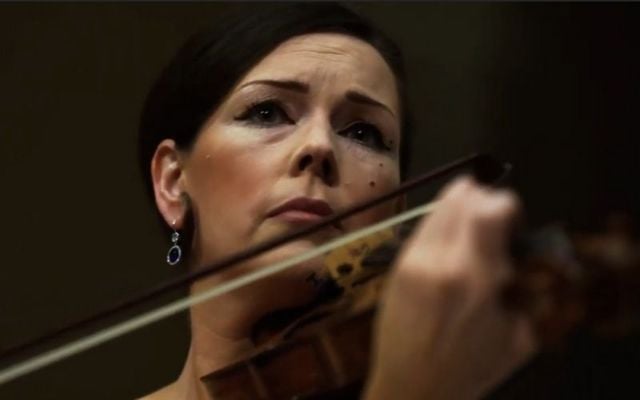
(167, 175)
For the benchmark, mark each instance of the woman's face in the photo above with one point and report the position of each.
(313, 128)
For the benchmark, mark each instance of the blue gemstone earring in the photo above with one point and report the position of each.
(175, 252)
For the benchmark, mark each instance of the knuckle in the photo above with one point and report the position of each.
(433, 275)
(449, 274)
(409, 277)
(457, 189)
(507, 203)
(450, 281)
(495, 207)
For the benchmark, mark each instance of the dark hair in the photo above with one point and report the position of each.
(211, 62)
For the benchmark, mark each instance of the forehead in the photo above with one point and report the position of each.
(319, 57)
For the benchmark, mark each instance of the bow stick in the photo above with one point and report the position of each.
(485, 167)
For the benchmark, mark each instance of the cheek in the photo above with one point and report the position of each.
(227, 182)
(224, 173)
(232, 169)
(366, 179)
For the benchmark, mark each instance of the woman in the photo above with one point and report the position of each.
(279, 116)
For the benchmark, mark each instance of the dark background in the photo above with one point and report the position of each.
(551, 87)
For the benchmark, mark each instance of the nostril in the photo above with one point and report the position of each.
(305, 162)
(326, 168)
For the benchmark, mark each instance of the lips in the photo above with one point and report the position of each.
(302, 210)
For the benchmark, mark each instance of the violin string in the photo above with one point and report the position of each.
(35, 363)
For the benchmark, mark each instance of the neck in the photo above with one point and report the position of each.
(205, 356)
(221, 330)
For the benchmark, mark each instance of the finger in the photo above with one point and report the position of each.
(489, 220)
(439, 228)
(440, 224)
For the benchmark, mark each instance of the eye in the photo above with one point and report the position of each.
(365, 134)
(266, 113)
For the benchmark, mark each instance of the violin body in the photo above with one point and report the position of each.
(325, 352)
(586, 281)
(310, 365)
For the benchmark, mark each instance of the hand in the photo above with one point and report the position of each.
(442, 332)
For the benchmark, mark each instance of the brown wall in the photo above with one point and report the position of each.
(554, 88)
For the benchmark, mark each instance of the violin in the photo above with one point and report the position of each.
(564, 281)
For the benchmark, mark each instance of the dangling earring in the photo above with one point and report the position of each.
(175, 252)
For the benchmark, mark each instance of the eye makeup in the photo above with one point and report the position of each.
(265, 113)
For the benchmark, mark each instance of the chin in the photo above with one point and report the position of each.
(289, 250)
(300, 275)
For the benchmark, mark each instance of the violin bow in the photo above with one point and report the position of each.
(485, 167)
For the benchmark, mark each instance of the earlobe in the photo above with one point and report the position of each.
(167, 176)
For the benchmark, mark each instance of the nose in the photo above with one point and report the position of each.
(315, 154)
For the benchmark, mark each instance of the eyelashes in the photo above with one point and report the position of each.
(266, 113)
(366, 134)
(271, 113)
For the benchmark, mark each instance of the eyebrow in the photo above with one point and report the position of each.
(296, 86)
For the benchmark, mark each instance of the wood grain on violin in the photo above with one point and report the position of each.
(563, 281)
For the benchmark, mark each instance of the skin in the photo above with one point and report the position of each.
(445, 286)
(324, 142)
